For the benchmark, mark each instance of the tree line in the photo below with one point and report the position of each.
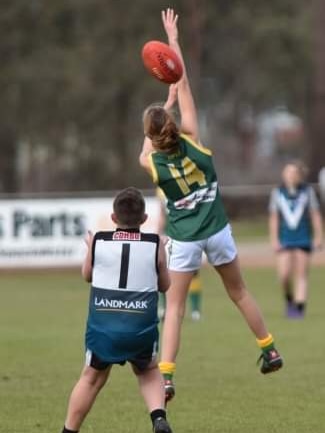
(73, 87)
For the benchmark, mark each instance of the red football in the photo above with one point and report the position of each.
(162, 62)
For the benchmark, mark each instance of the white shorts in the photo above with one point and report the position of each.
(219, 248)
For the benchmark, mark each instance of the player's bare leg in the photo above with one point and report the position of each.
(302, 261)
(285, 270)
(151, 385)
(83, 396)
(236, 289)
(175, 310)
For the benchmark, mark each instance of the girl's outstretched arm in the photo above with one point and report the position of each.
(189, 120)
(147, 147)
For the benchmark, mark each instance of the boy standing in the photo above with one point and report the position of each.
(126, 269)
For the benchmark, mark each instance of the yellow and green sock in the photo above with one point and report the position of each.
(266, 343)
(167, 369)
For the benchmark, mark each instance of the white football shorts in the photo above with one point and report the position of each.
(219, 248)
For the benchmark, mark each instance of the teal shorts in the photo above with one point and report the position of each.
(103, 350)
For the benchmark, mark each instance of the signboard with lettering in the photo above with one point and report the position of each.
(50, 232)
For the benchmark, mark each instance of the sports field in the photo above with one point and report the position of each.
(219, 387)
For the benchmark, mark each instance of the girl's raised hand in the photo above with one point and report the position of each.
(169, 19)
(172, 97)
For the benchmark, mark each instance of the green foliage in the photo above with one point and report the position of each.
(73, 86)
(259, 50)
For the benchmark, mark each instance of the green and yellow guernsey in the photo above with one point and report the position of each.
(189, 181)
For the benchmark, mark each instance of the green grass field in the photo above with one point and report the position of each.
(219, 388)
(250, 230)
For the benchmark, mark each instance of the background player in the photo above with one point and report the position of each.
(126, 269)
(196, 220)
(295, 226)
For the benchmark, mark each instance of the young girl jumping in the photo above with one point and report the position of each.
(183, 168)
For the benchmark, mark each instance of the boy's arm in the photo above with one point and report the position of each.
(189, 120)
(163, 277)
(87, 267)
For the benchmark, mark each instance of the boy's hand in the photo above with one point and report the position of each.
(164, 239)
(172, 97)
(169, 19)
(89, 238)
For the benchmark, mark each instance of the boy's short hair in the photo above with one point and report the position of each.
(129, 207)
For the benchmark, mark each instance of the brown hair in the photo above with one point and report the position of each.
(129, 207)
(300, 166)
(160, 126)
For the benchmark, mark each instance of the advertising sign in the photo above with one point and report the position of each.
(50, 232)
